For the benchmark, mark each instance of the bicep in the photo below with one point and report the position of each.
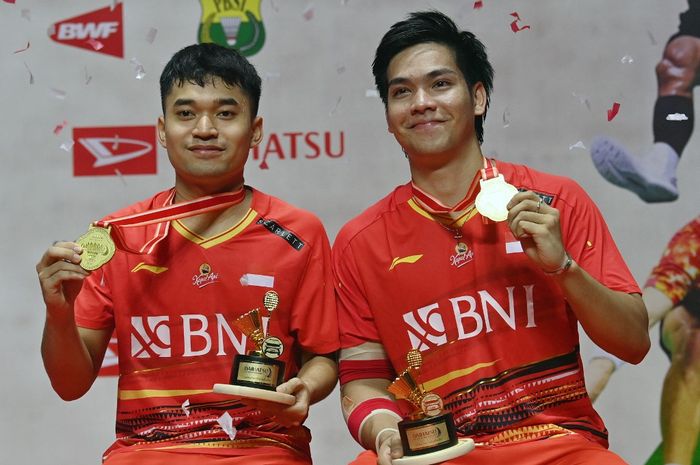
(95, 341)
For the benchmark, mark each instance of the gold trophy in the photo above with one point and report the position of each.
(258, 373)
(428, 435)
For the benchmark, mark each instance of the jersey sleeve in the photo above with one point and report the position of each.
(314, 318)
(590, 243)
(93, 306)
(355, 317)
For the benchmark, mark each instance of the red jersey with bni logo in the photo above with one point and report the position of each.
(499, 342)
(173, 311)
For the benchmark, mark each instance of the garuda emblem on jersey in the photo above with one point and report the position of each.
(233, 24)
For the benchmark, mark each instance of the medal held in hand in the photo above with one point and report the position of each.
(98, 247)
(258, 373)
(428, 435)
(494, 193)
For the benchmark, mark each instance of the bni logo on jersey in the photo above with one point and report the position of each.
(114, 151)
(100, 31)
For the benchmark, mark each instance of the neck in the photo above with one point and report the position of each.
(449, 181)
(188, 191)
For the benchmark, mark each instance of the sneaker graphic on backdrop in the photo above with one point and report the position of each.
(652, 176)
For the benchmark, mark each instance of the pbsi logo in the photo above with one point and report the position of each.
(100, 31)
(110, 151)
(232, 23)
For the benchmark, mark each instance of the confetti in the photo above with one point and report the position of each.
(651, 37)
(676, 117)
(583, 99)
(121, 176)
(31, 76)
(88, 77)
(577, 145)
(67, 146)
(226, 423)
(506, 118)
(271, 75)
(340, 69)
(115, 145)
(186, 407)
(627, 59)
(26, 14)
(151, 36)
(22, 49)
(478, 4)
(95, 44)
(58, 93)
(59, 127)
(138, 68)
(612, 112)
(308, 13)
(372, 93)
(9, 1)
(514, 25)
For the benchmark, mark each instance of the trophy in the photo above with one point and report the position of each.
(258, 373)
(428, 435)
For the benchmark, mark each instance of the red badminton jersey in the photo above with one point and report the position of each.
(173, 312)
(499, 342)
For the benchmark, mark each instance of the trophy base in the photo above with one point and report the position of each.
(254, 393)
(462, 447)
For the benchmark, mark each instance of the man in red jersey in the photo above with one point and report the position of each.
(493, 306)
(202, 254)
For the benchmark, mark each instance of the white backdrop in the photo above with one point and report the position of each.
(554, 83)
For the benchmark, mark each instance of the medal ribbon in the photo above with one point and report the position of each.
(435, 207)
(164, 215)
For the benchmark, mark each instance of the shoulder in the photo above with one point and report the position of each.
(158, 200)
(362, 223)
(555, 189)
(277, 212)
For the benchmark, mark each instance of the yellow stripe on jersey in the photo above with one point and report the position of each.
(219, 238)
(446, 378)
(152, 268)
(459, 222)
(131, 394)
(238, 444)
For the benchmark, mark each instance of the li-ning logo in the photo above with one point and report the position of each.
(100, 31)
(114, 150)
(205, 277)
(234, 24)
(150, 337)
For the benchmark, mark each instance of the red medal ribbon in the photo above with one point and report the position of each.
(435, 207)
(164, 215)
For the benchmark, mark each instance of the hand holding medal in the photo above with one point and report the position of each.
(495, 194)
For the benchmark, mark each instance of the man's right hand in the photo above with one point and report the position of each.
(389, 447)
(61, 277)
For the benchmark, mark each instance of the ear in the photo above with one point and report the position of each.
(161, 131)
(257, 131)
(479, 95)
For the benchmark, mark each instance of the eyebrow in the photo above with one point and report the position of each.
(431, 75)
(220, 102)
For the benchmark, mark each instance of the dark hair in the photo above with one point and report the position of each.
(201, 63)
(433, 26)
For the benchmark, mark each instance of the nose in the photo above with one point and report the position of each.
(422, 101)
(205, 128)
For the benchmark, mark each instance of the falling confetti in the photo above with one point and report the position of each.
(226, 423)
(506, 118)
(9, 1)
(335, 107)
(514, 25)
(308, 13)
(22, 49)
(372, 93)
(26, 14)
(138, 68)
(31, 76)
(676, 117)
(88, 77)
(577, 145)
(340, 69)
(186, 407)
(59, 127)
(115, 145)
(627, 59)
(95, 44)
(58, 93)
(478, 4)
(651, 37)
(121, 176)
(151, 36)
(612, 112)
(582, 99)
(67, 146)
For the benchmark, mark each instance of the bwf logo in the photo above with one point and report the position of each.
(109, 151)
(99, 31)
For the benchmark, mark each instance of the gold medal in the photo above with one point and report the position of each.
(98, 248)
(493, 198)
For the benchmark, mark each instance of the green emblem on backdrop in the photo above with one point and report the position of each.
(232, 23)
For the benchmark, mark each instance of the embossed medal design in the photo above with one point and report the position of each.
(98, 248)
(495, 194)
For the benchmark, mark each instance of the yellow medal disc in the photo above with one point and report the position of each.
(493, 198)
(98, 248)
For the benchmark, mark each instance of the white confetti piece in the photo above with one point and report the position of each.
(372, 93)
(226, 423)
(577, 145)
(627, 59)
(308, 13)
(151, 36)
(67, 146)
(138, 68)
(676, 117)
(58, 93)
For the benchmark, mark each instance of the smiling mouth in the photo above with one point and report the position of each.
(425, 124)
(206, 149)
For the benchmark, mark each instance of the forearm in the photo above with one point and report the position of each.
(319, 373)
(354, 393)
(617, 322)
(66, 358)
